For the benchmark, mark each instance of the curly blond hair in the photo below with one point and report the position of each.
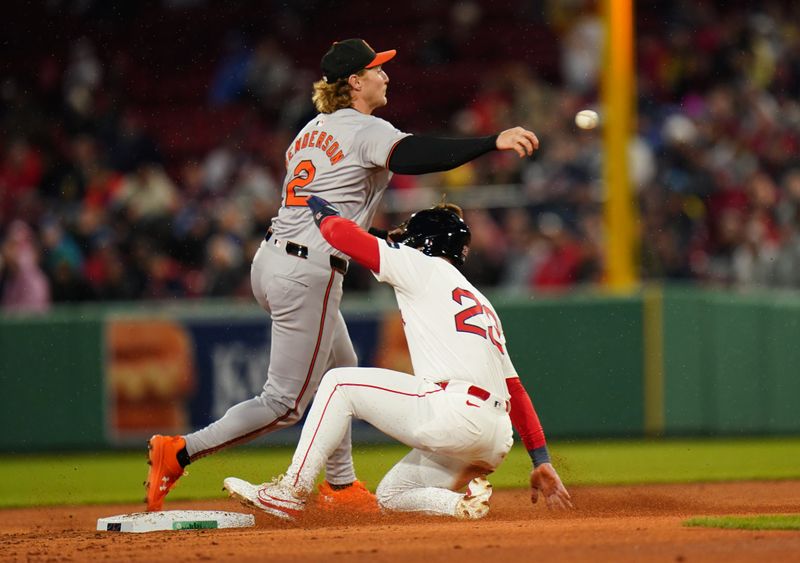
(328, 98)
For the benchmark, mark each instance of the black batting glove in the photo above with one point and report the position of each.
(321, 209)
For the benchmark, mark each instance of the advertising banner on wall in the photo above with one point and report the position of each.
(176, 375)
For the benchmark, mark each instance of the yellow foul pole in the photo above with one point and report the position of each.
(617, 96)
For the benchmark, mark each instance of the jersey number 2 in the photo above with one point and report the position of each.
(303, 175)
(493, 334)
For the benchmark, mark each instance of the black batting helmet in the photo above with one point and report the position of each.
(438, 232)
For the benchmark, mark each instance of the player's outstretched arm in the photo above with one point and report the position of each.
(345, 235)
(543, 478)
(419, 154)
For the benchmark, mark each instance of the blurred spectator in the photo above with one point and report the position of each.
(25, 287)
(296, 109)
(107, 274)
(66, 184)
(564, 262)
(465, 19)
(82, 78)
(147, 194)
(268, 75)
(130, 145)
(20, 174)
(220, 167)
(523, 253)
(581, 52)
(226, 267)
(191, 225)
(59, 246)
(140, 188)
(230, 78)
(487, 249)
(787, 266)
(433, 46)
(162, 278)
(68, 284)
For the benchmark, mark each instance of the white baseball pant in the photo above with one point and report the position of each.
(456, 436)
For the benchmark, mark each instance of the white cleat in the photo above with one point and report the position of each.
(274, 497)
(475, 502)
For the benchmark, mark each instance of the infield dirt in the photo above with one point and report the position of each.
(619, 524)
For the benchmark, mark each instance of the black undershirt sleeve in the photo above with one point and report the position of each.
(417, 154)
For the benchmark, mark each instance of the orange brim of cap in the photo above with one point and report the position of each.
(381, 58)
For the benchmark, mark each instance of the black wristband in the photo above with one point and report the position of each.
(380, 233)
(539, 456)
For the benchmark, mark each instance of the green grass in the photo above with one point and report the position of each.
(767, 522)
(109, 477)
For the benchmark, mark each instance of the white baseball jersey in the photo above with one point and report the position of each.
(341, 157)
(451, 328)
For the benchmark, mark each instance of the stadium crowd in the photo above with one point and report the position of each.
(94, 205)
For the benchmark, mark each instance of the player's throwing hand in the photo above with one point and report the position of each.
(544, 479)
(518, 139)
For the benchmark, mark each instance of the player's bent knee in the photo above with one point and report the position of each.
(274, 407)
(384, 494)
(335, 374)
(388, 492)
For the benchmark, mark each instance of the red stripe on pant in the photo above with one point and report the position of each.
(328, 401)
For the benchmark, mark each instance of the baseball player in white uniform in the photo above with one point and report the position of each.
(454, 412)
(348, 156)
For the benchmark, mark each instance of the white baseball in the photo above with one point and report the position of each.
(586, 119)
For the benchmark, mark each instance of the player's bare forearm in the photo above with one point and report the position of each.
(345, 235)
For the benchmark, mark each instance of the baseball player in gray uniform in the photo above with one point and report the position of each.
(454, 412)
(346, 155)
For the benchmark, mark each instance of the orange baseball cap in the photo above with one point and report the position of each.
(350, 56)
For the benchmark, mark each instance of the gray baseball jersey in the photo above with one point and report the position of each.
(342, 158)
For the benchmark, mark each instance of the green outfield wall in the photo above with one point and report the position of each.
(51, 381)
(581, 361)
(658, 362)
(731, 362)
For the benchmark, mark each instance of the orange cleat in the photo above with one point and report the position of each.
(355, 498)
(164, 468)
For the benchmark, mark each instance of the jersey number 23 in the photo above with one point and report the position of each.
(492, 332)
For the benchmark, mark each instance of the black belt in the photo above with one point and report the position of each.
(301, 251)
